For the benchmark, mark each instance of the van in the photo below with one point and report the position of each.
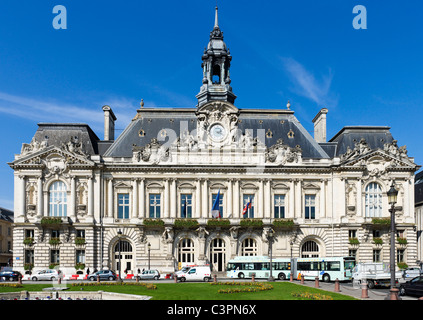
(197, 273)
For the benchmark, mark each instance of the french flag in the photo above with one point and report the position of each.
(247, 206)
(215, 209)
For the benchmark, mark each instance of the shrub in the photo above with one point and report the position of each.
(218, 223)
(79, 241)
(251, 223)
(186, 223)
(283, 223)
(353, 241)
(377, 241)
(153, 222)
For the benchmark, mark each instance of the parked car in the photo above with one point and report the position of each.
(104, 275)
(413, 287)
(150, 275)
(411, 273)
(10, 275)
(197, 273)
(49, 274)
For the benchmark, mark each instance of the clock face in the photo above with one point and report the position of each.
(217, 132)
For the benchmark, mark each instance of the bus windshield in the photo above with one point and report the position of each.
(349, 264)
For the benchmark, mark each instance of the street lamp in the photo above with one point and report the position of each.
(119, 236)
(270, 236)
(149, 247)
(392, 200)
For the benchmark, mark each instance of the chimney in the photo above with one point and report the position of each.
(109, 123)
(320, 126)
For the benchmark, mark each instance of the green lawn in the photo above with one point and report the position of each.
(197, 291)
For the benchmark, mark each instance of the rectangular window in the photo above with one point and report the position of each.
(29, 257)
(154, 205)
(220, 202)
(352, 253)
(123, 206)
(352, 233)
(310, 206)
(29, 233)
(80, 233)
(279, 206)
(186, 205)
(80, 256)
(55, 256)
(376, 255)
(400, 255)
(249, 213)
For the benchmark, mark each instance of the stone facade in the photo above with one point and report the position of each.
(151, 191)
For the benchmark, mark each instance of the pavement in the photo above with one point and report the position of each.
(354, 291)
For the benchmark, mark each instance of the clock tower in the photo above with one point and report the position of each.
(216, 64)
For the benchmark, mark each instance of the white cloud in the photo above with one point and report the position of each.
(306, 84)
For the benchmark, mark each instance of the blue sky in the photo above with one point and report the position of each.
(118, 53)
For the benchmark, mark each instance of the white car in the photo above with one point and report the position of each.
(197, 273)
(49, 274)
(411, 273)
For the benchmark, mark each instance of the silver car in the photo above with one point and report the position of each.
(150, 275)
(49, 274)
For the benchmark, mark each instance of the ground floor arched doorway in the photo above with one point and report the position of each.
(127, 257)
(218, 255)
(310, 249)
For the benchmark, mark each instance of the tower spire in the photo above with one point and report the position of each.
(216, 64)
(216, 20)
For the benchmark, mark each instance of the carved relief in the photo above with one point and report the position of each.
(153, 152)
(280, 153)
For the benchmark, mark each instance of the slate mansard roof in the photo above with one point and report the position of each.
(274, 125)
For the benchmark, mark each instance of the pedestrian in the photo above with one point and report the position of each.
(88, 270)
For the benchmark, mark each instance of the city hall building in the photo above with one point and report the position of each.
(206, 183)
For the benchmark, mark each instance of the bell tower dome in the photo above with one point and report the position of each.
(216, 64)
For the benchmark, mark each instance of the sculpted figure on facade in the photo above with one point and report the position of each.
(33, 146)
(281, 153)
(152, 152)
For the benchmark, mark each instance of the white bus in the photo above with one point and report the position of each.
(327, 269)
(259, 266)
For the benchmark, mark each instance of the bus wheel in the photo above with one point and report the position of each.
(241, 275)
(281, 276)
(326, 278)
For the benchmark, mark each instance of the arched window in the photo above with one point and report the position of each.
(125, 246)
(186, 250)
(57, 199)
(373, 200)
(310, 249)
(249, 247)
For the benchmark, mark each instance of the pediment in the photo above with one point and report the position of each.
(52, 157)
(217, 106)
(379, 159)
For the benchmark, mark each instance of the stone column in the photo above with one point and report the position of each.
(134, 198)
(205, 199)
(267, 199)
(291, 211)
(110, 197)
(197, 213)
(40, 202)
(90, 197)
(229, 200)
(72, 202)
(322, 210)
(359, 208)
(141, 212)
(260, 211)
(22, 202)
(298, 200)
(166, 199)
(173, 199)
(237, 212)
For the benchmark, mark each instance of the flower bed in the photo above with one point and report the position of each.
(149, 286)
(248, 287)
(311, 296)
